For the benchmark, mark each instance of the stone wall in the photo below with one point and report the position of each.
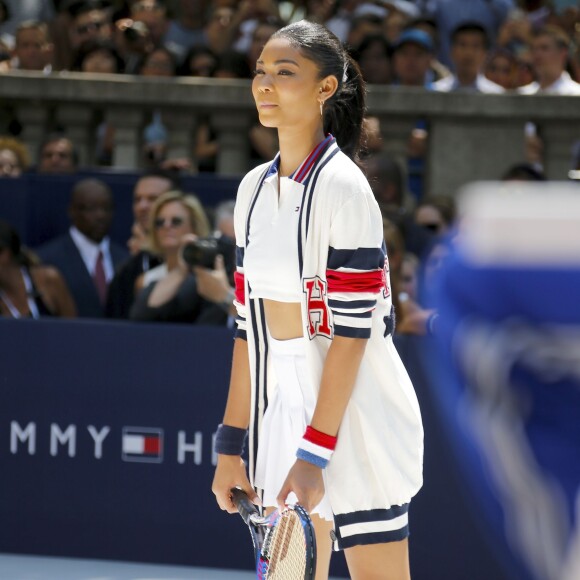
(471, 136)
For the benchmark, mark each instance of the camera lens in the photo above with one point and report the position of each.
(201, 252)
(135, 31)
(130, 34)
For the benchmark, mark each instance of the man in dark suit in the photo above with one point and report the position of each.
(85, 256)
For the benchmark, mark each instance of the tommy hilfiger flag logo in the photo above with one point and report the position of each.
(142, 444)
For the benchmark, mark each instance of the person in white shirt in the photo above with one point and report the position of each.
(469, 47)
(32, 48)
(550, 49)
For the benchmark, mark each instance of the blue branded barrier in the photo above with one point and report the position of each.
(105, 452)
(36, 205)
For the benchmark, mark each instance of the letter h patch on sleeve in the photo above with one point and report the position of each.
(318, 312)
(385, 276)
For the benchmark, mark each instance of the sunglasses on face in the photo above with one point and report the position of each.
(59, 154)
(90, 26)
(173, 222)
(147, 6)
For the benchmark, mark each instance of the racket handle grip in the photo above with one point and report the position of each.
(243, 504)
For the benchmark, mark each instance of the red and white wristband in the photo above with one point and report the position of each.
(316, 447)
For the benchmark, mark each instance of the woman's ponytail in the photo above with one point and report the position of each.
(344, 111)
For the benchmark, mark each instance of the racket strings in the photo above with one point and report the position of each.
(287, 548)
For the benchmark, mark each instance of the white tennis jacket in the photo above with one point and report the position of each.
(346, 291)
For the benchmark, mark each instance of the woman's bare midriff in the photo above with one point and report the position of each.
(284, 319)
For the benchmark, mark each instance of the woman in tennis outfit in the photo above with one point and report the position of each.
(331, 415)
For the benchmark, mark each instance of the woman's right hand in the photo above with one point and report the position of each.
(181, 263)
(138, 240)
(231, 472)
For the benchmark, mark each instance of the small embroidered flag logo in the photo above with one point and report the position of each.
(142, 444)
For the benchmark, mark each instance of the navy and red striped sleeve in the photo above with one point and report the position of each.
(240, 294)
(355, 267)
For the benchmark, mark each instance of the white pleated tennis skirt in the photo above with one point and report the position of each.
(288, 414)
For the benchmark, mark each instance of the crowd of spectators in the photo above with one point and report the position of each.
(220, 38)
(488, 46)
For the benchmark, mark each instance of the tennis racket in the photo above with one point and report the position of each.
(284, 543)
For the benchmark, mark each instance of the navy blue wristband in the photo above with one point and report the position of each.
(230, 440)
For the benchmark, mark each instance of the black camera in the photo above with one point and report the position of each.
(136, 31)
(202, 252)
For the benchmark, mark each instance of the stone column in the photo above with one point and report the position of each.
(396, 132)
(128, 124)
(465, 149)
(77, 121)
(34, 120)
(559, 138)
(181, 125)
(232, 128)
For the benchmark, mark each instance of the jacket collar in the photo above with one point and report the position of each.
(306, 167)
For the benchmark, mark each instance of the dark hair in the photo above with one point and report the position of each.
(10, 239)
(235, 63)
(386, 170)
(470, 27)
(196, 50)
(169, 175)
(80, 185)
(344, 111)
(523, 172)
(145, 60)
(422, 21)
(365, 19)
(77, 7)
(7, 13)
(368, 41)
(272, 21)
(501, 52)
(97, 45)
(444, 204)
(58, 136)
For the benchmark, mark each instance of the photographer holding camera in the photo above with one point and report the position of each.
(133, 40)
(191, 285)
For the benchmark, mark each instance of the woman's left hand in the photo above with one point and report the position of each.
(305, 480)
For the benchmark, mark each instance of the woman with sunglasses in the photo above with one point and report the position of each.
(170, 292)
(332, 417)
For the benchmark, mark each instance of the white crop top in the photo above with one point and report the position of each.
(271, 255)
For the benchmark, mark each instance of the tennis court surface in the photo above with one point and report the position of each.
(17, 567)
